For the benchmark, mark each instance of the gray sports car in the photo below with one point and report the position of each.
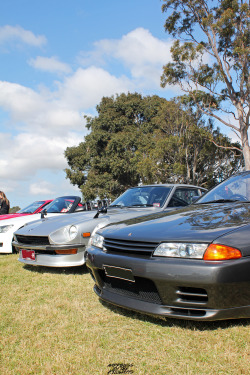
(61, 242)
(193, 263)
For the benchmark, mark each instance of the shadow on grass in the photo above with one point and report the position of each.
(81, 270)
(181, 323)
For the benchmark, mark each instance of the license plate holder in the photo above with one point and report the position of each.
(28, 254)
(119, 273)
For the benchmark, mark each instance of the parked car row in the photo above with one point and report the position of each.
(169, 250)
(61, 242)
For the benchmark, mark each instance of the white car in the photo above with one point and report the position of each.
(59, 206)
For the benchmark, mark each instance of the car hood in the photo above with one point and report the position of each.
(47, 225)
(19, 221)
(11, 216)
(221, 223)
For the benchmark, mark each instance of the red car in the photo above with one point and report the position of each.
(33, 208)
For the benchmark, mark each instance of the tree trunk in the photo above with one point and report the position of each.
(244, 138)
(246, 154)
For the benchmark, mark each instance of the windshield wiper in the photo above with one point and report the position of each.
(116, 205)
(222, 201)
(141, 205)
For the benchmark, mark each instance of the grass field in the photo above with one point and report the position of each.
(53, 323)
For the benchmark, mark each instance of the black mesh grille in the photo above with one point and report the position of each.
(142, 289)
(131, 247)
(32, 240)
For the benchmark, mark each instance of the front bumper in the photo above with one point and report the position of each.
(176, 288)
(5, 242)
(46, 256)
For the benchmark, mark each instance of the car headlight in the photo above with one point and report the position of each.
(97, 240)
(5, 228)
(73, 232)
(99, 226)
(181, 250)
(64, 235)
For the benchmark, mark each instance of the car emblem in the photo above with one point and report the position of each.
(130, 234)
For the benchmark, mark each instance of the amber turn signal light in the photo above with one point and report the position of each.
(221, 252)
(66, 251)
(86, 234)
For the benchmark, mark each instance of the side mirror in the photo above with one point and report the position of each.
(102, 210)
(43, 213)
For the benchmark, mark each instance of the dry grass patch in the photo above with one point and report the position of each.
(53, 323)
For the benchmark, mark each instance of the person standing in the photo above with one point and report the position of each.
(4, 204)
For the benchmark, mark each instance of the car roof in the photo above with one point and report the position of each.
(240, 173)
(167, 185)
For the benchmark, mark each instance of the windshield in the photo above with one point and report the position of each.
(61, 204)
(148, 196)
(236, 188)
(31, 208)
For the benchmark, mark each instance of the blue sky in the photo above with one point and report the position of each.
(57, 60)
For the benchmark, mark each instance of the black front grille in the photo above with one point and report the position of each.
(130, 247)
(142, 289)
(32, 240)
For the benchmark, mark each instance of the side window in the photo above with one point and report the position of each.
(183, 197)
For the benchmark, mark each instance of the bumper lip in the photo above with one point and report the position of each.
(165, 311)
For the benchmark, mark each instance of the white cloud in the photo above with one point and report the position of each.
(50, 64)
(52, 190)
(42, 187)
(27, 153)
(137, 48)
(48, 112)
(17, 33)
(38, 110)
(139, 51)
(86, 87)
(22, 102)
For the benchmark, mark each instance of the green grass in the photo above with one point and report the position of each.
(52, 322)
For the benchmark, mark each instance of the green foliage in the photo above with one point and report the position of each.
(210, 59)
(14, 209)
(137, 139)
(186, 150)
(109, 154)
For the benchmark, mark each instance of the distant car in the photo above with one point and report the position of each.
(58, 206)
(61, 242)
(33, 208)
(193, 263)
